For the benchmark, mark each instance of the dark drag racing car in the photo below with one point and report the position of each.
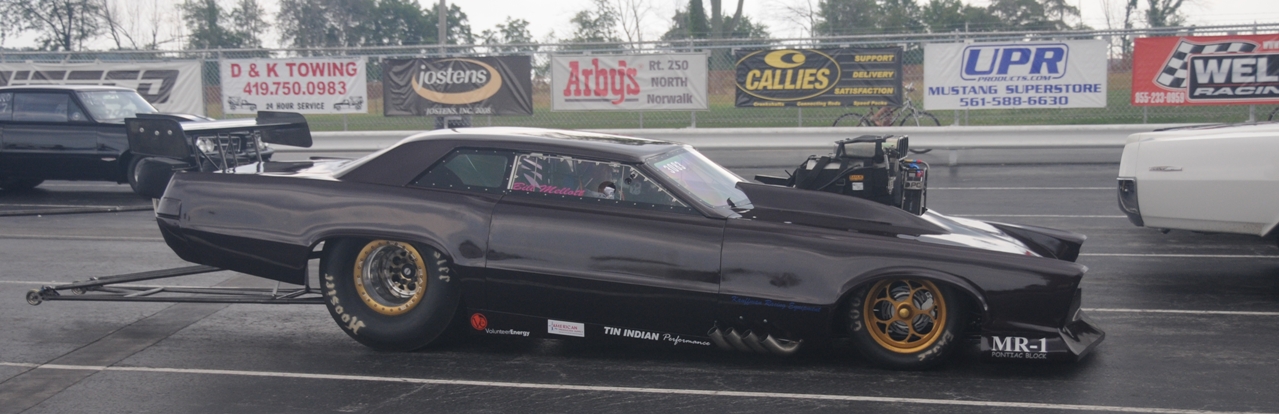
(554, 234)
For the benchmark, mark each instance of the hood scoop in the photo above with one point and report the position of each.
(821, 209)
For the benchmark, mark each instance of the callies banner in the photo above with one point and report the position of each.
(1065, 74)
(169, 86)
(309, 86)
(819, 77)
(458, 86)
(629, 82)
(1206, 70)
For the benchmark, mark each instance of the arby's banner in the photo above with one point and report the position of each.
(665, 82)
(309, 86)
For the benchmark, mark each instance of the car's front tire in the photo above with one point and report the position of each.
(388, 295)
(905, 322)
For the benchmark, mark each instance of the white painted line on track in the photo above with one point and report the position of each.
(639, 390)
(1035, 215)
(1020, 188)
(79, 237)
(1196, 256)
(58, 205)
(1180, 312)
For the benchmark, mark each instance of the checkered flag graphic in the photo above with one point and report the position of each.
(1175, 72)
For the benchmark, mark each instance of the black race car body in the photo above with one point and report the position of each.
(73, 132)
(551, 233)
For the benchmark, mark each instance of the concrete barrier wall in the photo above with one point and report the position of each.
(951, 145)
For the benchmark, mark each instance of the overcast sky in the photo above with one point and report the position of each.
(547, 17)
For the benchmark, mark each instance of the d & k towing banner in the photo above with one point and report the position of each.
(168, 86)
(819, 77)
(1206, 70)
(458, 86)
(308, 86)
(629, 82)
(1065, 74)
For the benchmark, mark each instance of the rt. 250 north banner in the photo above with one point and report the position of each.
(819, 77)
(663, 82)
(1206, 70)
(1066, 74)
(458, 86)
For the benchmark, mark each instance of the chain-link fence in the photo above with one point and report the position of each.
(722, 112)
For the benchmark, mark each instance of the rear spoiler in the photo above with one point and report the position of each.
(160, 135)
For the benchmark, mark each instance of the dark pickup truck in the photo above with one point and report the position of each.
(77, 132)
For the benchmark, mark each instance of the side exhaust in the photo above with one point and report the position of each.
(730, 340)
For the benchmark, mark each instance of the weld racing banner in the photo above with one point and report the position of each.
(1206, 70)
(1065, 74)
(458, 86)
(308, 86)
(819, 77)
(629, 82)
(168, 86)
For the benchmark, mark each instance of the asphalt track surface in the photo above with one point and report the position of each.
(1190, 322)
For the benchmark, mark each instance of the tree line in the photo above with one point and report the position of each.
(71, 25)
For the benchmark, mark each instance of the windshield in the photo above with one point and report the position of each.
(713, 185)
(115, 106)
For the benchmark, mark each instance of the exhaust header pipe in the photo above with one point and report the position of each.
(730, 339)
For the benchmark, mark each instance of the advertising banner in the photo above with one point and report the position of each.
(629, 82)
(168, 86)
(819, 77)
(1205, 70)
(458, 86)
(1065, 74)
(308, 86)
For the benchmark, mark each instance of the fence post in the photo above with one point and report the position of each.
(1144, 114)
(694, 117)
(955, 121)
(801, 117)
(641, 119)
(1252, 114)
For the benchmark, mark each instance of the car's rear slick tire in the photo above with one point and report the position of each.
(368, 299)
(871, 326)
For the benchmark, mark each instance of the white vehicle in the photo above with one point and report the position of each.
(1213, 178)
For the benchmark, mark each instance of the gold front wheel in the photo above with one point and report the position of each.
(904, 315)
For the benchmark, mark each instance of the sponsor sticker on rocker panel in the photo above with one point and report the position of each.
(652, 336)
(566, 328)
(1016, 347)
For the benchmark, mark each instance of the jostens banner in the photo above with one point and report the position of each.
(819, 77)
(458, 86)
(168, 86)
(629, 82)
(1065, 74)
(1206, 70)
(309, 86)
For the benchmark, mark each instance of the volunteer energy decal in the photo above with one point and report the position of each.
(458, 86)
(168, 86)
(309, 86)
(629, 82)
(1206, 70)
(1066, 74)
(819, 77)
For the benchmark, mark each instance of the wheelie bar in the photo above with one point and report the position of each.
(113, 289)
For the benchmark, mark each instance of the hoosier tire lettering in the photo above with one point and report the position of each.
(388, 295)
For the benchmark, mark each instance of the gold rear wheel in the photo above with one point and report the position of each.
(390, 277)
(904, 315)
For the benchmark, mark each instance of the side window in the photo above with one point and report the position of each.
(476, 170)
(589, 181)
(6, 106)
(43, 107)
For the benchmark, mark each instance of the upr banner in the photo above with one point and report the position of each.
(629, 82)
(1206, 70)
(1065, 74)
(168, 86)
(308, 86)
(458, 86)
(819, 77)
